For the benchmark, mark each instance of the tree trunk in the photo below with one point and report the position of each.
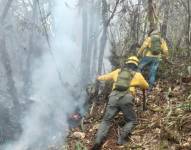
(91, 39)
(8, 71)
(165, 20)
(28, 71)
(6, 10)
(6, 60)
(95, 35)
(103, 39)
(84, 42)
(151, 15)
(138, 20)
(135, 27)
(189, 28)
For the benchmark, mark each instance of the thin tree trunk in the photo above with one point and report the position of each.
(189, 28)
(6, 60)
(28, 71)
(179, 41)
(138, 20)
(9, 74)
(103, 39)
(84, 42)
(91, 38)
(6, 10)
(95, 39)
(165, 21)
(133, 26)
(144, 29)
(151, 15)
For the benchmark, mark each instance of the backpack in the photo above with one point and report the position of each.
(123, 80)
(155, 45)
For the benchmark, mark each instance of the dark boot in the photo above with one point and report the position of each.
(122, 140)
(96, 147)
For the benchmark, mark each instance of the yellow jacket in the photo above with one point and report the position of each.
(147, 44)
(137, 80)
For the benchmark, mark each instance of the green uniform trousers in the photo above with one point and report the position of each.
(118, 101)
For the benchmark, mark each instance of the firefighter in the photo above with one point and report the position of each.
(153, 49)
(126, 79)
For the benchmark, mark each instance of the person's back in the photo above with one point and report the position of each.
(121, 99)
(154, 47)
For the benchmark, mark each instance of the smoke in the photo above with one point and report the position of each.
(46, 122)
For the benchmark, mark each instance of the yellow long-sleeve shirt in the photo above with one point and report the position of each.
(137, 80)
(147, 44)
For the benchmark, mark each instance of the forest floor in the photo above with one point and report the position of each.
(165, 125)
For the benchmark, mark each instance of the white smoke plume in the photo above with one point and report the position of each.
(46, 121)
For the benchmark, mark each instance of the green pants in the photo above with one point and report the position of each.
(118, 101)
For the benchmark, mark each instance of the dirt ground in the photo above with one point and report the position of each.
(165, 125)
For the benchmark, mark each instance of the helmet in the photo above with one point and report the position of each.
(132, 60)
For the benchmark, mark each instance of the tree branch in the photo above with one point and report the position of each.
(5, 11)
(113, 13)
